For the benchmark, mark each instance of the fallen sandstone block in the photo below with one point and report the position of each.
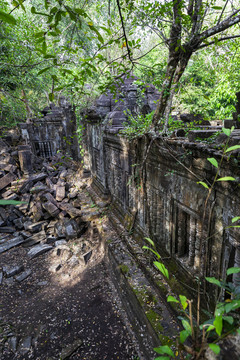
(6, 180)
(39, 250)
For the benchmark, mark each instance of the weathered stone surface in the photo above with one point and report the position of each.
(34, 227)
(25, 234)
(63, 174)
(55, 268)
(60, 242)
(59, 229)
(202, 134)
(10, 271)
(230, 345)
(194, 118)
(60, 192)
(38, 188)
(18, 223)
(12, 342)
(71, 210)
(70, 349)
(73, 194)
(42, 283)
(6, 180)
(11, 243)
(76, 203)
(71, 229)
(63, 252)
(51, 208)
(48, 197)
(24, 275)
(3, 213)
(25, 159)
(51, 239)
(38, 177)
(87, 256)
(39, 250)
(24, 207)
(26, 186)
(1, 277)
(73, 262)
(25, 345)
(7, 229)
(35, 239)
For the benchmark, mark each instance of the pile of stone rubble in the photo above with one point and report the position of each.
(50, 213)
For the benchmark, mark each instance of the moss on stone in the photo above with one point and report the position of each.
(124, 269)
(155, 320)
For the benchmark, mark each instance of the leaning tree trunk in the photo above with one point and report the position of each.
(176, 67)
(177, 76)
(173, 62)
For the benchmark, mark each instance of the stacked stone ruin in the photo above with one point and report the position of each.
(171, 209)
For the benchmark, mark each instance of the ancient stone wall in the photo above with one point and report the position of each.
(155, 192)
(55, 130)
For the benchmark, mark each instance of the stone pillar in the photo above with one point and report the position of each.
(25, 158)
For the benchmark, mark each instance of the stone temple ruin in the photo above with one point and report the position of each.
(152, 187)
(169, 205)
(166, 203)
(54, 131)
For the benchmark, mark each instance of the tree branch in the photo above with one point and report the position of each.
(225, 24)
(221, 39)
(148, 51)
(222, 12)
(124, 32)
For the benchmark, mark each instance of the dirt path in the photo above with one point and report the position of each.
(63, 309)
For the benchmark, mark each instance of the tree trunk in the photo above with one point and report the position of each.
(174, 72)
(25, 100)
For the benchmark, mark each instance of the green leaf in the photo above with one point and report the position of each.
(233, 270)
(235, 219)
(100, 38)
(226, 131)
(165, 349)
(44, 47)
(51, 96)
(213, 280)
(226, 178)
(211, 327)
(47, 56)
(184, 334)
(172, 299)
(187, 326)
(184, 302)
(235, 147)
(11, 202)
(218, 324)
(162, 268)
(39, 34)
(213, 161)
(229, 319)
(162, 358)
(153, 251)
(215, 348)
(203, 184)
(43, 70)
(7, 18)
(217, 7)
(234, 305)
(150, 241)
(80, 12)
